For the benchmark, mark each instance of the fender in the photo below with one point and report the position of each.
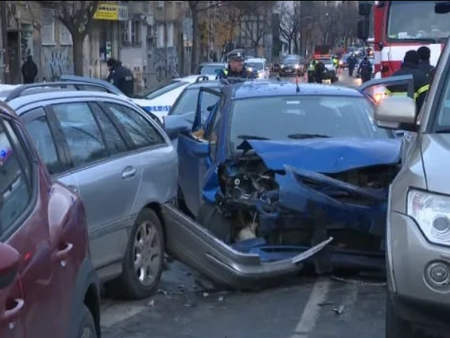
(85, 278)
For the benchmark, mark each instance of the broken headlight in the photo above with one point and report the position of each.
(432, 214)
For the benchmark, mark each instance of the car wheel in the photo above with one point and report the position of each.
(213, 220)
(144, 259)
(87, 326)
(395, 326)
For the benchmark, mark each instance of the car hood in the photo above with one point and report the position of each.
(436, 160)
(328, 156)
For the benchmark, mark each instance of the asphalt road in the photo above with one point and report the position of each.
(303, 307)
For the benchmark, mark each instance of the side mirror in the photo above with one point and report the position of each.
(396, 112)
(9, 265)
(363, 29)
(442, 7)
(200, 149)
(364, 8)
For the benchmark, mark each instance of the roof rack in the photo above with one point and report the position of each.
(202, 78)
(78, 85)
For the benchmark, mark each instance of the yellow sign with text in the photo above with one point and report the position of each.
(108, 12)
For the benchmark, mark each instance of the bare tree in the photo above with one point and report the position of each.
(78, 17)
(290, 23)
(254, 15)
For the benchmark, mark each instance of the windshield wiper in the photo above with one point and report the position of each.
(306, 136)
(252, 137)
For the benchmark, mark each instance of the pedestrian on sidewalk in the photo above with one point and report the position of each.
(29, 70)
(121, 77)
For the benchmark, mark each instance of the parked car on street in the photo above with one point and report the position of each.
(258, 67)
(292, 66)
(122, 164)
(48, 286)
(271, 198)
(156, 102)
(418, 221)
(211, 68)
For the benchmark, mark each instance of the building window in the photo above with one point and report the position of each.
(170, 33)
(160, 32)
(135, 32)
(125, 32)
(48, 27)
(65, 38)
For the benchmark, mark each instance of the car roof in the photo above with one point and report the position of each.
(50, 95)
(193, 78)
(212, 64)
(263, 88)
(255, 60)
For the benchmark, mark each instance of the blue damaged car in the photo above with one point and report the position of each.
(279, 175)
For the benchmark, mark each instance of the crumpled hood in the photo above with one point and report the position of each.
(327, 155)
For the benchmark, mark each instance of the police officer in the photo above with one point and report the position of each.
(351, 62)
(424, 60)
(421, 80)
(365, 70)
(236, 68)
(121, 77)
(320, 71)
(312, 71)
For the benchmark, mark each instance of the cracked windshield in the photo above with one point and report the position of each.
(224, 169)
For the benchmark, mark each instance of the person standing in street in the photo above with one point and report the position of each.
(320, 70)
(236, 68)
(312, 71)
(421, 80)
(365, 70)
(424, 60)
(29, 70)
(351, 62)
(121, 77)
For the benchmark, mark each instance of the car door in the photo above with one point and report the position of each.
(107, 175)
(195, 157)
(25, 226)
(159, 175)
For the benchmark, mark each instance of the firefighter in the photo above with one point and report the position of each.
(121, 77)
(235, 67)
(421, 80)
(312, 71)
(365, 70)
(424, 60)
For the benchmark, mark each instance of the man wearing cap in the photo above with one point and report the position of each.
(410, 66)
(236, 68)
(121, 77)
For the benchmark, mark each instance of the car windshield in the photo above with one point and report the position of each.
(211, 69)
(416, 20)
(291, 61)
(254, 65)
(326, 61)
(187, 102)
(161, 90)
(301, 116)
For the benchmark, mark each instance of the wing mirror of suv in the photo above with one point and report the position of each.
(9, 265)
(396, 112)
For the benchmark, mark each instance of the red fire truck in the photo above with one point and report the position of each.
(400, 26)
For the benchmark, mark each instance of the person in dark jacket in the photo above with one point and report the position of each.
(29, 70)
(365, 70)
(421, 80)
(351, 62)
(320, 71)
(424, 60)
(121, 77)
(236, 68)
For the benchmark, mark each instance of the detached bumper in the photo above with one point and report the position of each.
(195, 246)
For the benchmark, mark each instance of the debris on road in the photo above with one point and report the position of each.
(151, 302)
(221, 299)
(339, 310)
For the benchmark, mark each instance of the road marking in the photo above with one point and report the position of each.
(311, 312)
(116, 313)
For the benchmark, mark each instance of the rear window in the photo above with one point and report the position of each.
(211, 69)
(174, 84)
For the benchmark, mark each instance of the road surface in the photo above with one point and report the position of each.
(304, 307)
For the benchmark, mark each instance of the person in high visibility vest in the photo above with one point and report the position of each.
(236, 68)
(336, 64)
(421, 80)
(312, 71)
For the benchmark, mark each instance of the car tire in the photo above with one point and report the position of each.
(128, 285)
(395, 326)
(87, 328)
(214, 221)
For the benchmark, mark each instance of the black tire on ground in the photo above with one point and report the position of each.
(87, 325)
(213, 220)
(396, 327)
(127, 285)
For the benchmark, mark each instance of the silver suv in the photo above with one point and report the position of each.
(418, 222)
(123, 166)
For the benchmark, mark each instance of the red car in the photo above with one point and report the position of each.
(48, 287)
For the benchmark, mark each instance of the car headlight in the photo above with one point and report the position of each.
(260, 75)
(432, 213)
(281, 66)
(250, 69)
(297, 66)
